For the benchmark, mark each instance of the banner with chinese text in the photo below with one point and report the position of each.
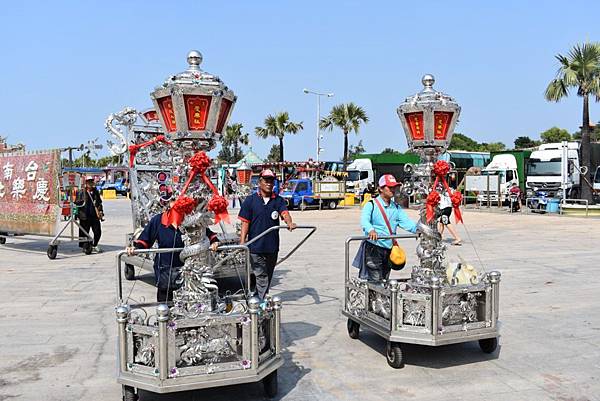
(29, 201)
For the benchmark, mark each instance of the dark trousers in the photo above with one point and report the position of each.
(95, 226)
(263, 266)
(377, 261)
(164, 295)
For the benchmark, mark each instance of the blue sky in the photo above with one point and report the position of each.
(67, 65)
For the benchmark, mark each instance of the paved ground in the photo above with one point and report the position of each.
(58, 329)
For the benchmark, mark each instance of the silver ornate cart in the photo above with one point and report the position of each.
(432, 307)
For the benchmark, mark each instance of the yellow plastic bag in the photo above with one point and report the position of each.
(397, 257)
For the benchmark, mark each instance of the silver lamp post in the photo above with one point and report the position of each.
(318, 95)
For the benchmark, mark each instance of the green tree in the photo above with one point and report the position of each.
(463, 142)
(491, 147)
(354, 151)
(390, 151)
(274, 154)
(579, 69)
(231, 146)
(278, 126)
(524, 142)
(594, 134)
(347, 117)
(555, 134)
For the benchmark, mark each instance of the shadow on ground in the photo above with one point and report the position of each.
(289, 375)
(432, 357)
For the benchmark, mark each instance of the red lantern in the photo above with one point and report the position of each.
(150, 115)
(442, 121)
(166, 109)
(223, 114)
(244, 173)
(197, 108)
(415, 122)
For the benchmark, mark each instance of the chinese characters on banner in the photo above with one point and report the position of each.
(28, 192)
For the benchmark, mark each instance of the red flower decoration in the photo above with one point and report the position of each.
(184, 205)
(200, 162)
(218, 204)
(441, 168)
(456, 199)
(433, 199)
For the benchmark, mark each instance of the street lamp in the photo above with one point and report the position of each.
(318, 116)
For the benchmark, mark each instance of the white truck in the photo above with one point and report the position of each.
(553, 166)
(495, 179)
(360, 175)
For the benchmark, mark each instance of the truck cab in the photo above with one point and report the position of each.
(360, 175)
(304, 192)
(545, 170)
(495, 180)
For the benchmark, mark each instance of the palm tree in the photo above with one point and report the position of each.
(346, 117)
(278, 126)
(235, 137)
(580, 69)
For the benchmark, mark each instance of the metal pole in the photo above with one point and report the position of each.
(253, 308)
(318, 126)
(394, 303)
(122, 315)
(495, 281)
(277, 309)
(162, 312)
(435, 300)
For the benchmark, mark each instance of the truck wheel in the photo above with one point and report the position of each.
(332, 204)
(2, 240)
(394, 355)
(270, 384)
(129, 272)
(129, 394)
(52, 251)
(353, 329)
(488, 345)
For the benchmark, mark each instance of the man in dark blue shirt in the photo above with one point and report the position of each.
(261, 211)
(166, 265)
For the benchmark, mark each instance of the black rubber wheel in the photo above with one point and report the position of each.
(129, 394)
(270, 384)
(129, 272)
(332, 204)
(488, 345)
(87, 248)
(2, 240)
(394, 355)
(52, 251)
(353, 329)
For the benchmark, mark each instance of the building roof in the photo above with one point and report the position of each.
(249, 158)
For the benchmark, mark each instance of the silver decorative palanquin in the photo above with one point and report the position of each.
(432, 307)
(205, 337)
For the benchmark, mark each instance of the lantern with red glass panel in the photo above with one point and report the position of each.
(429, 118)
(193, 104)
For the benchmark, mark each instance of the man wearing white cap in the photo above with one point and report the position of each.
(382, 216)
(259, 212)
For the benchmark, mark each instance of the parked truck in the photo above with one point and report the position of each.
(552, 166)
(302, 193)
(495, 180)
(366, 170)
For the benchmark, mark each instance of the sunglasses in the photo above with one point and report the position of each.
(268, 179)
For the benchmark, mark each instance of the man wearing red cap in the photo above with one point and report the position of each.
(259, 212)
(379, 217)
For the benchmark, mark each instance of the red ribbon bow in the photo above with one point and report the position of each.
(133, 149)
(183, 206)
(432, 200)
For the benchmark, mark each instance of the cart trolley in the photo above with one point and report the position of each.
(233, 341)
(403, 312)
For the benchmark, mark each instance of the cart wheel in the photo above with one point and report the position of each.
(52, 251)
(270, 384)
(129, 272)
(488, 345)
(394, 355)
(129, 394)
(87, 248)
(332, 204)
(2, 240)
(353, 329)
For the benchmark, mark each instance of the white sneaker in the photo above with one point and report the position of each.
(96, 249)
